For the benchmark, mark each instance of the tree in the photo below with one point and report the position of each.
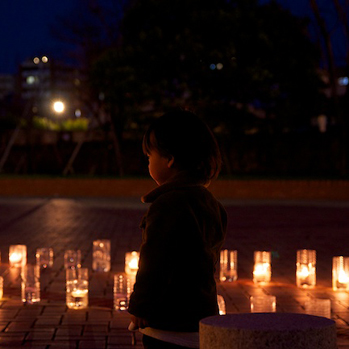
(339, 106)
(95, 31)
(254, 64)
(204, 52)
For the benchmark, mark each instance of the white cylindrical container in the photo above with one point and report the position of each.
(30, 284)
(340, 273)
(228, 265)
(101, 255)
(77, 288)
(306, 268)
(262, 267)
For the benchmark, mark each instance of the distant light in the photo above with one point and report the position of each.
(44, 59)
(77, 113)
(219, 66)
(58, 107)
(36, 60)
(30, 80)
(212, 66)
(343, 81)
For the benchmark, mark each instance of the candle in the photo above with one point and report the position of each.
(18, 255)
(79, 292)
(44, 257)
(228, 265)
(262, 267)
(131, 263)
(340, 273)
(77, 288)
(101, 255)
(30, 284)
(306, 268)
(123, 287)
(72, 259)
(15, 257)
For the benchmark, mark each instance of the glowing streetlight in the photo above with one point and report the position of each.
(58, 107)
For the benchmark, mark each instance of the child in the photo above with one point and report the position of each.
(183, 230)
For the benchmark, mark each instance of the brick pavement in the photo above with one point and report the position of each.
(281, 227)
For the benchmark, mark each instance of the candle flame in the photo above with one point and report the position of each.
(304, 272)
(261, 268)
(15, 257)
(343, 277)
(133, 264)
(79, 292)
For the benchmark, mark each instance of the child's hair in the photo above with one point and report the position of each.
(188, 139)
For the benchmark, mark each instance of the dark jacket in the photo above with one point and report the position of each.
(183, 232)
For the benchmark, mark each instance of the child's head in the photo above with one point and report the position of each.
(182, 135)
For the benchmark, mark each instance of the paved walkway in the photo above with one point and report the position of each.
(281, 227)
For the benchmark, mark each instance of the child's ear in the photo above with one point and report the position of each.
(170, 162)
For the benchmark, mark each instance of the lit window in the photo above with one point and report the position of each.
(343, 81)
(77, 113)
(31, 80)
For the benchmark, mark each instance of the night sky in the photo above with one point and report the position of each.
(25, 28)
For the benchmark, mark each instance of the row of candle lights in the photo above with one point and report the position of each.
(305, 268)
(76, 276)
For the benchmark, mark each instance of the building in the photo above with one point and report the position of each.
(7, 86)
(44, 81)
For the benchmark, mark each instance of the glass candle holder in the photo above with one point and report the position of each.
(101, 255)
(318, 307)
(306, 268)
(72, 259)
(340, 273)
(131, 262)
(1, 287)
(221, 305)
(228, 265)
(123, 287)
(263, 304)
(18, 255)
(77, 288)
(44, 257)
(262, 267)
(30, 284)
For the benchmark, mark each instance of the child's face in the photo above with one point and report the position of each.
(160, 167)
